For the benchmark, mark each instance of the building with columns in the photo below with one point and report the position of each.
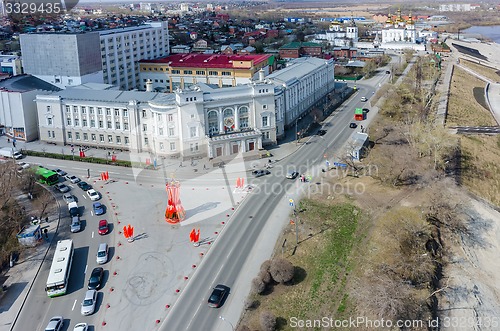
(340, 35)
(399, 33)
(200, 121)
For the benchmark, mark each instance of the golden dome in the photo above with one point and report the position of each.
(410, 20)
(389, 19)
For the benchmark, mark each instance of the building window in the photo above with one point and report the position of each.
(213, 73)
(265, 121)
(170, 117)
(117, 112)
(110, 139)
(68, 121)
(50, 135)
(160, 131)
(92, 123)
(172, 146)
(188, 72)
(158, 117)
(175, 72)
(101, 138)
(193, 147)
(77, 135)
(70, 135)
(146, 141)
(49, 120)
(171, 132)
(264, 106)
(118, 139)
(75, 109)
(84, 123)
(92, 136)
(125, 126)
(143, 113)
(193, 132)
(68, 109)
(48, 109)
(101, 125)
(126, 140)
(125, 113)
(200, 72)
(84, 110)
(77, 122)
(117, 125)
(86, 136)
(108, 111)
(162, 147)
(108, 124)
(226, 73)
(144, 127)
(91, 110)
(99, 111)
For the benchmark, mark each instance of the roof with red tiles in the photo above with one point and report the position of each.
(207, 60)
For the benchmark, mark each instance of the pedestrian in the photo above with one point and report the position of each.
(46, 220)
(46, 233)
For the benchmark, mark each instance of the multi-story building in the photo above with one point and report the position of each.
(338, 35)
(107, 56)
(11, 65)
(183, 70)
(18, 114)
(301, 86)
(196, 121)
(399, 33)
(189, 123)
(297, 49)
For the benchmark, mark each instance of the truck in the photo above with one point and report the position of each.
(10, 153)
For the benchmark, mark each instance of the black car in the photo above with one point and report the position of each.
(387, 72)
(95, 279)
(292, 175)
(217, 297)
(353, 125)
(84, 186)
(366, 110)
(321, 132)
(260, 173)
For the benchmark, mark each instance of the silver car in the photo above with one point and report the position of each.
(75, 224)
(68, 197)
(88, 303)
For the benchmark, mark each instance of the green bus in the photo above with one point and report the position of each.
(46, 176)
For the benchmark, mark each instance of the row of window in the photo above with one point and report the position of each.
(117, 139)
(91, 110)
(100, 123)
(189, 72)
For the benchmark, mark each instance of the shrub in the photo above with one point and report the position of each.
(258, 286)
(266, 265)
(281, 270)
(265, 276)
(267, 321)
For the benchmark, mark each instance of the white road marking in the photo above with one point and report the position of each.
(74, 304)
(85, 269)
(92, 234)
(84, 197)
(91, 213)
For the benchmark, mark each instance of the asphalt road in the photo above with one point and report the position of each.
(225, 260)
(39, 308)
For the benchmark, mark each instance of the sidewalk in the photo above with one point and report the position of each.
(24, 272)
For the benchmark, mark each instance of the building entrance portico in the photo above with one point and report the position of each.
(233, 143)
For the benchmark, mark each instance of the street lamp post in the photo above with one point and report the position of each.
(225, 320)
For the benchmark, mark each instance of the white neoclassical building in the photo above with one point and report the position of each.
(197, 122)
(338, 35)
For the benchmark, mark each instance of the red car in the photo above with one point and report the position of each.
(103, 227)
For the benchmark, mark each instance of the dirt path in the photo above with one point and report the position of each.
(472, 299)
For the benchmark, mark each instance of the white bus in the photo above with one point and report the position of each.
(57, 283)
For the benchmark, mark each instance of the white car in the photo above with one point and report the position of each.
(73, 179)
(93, 195)
(88, 303)
(81, 327)
(55, 324)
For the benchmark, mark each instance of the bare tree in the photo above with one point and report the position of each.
(265, 276)
(258, 285)
(267, 321)
(43, 201)
(281, 270)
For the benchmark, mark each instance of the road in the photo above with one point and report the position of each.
(224, 262)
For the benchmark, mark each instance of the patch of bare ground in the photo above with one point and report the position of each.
(485, 71)
(465, 101)
(480, 166)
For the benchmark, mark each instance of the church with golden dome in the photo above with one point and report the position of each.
(398, 31)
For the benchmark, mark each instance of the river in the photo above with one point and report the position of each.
(490, 32)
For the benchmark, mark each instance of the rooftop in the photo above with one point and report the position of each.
(297, 45)
(106, 95)
(208, 60)
(25, 83)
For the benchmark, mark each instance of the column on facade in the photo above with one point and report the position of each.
(236, 118)
(221, 120)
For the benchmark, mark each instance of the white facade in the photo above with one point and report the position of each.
(121, 49)
(190, 123)
(338, 35)
(457, 7)
(11, 64)
(303, 84)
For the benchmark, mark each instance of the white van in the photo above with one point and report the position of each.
(73, 209)
(102, 254)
